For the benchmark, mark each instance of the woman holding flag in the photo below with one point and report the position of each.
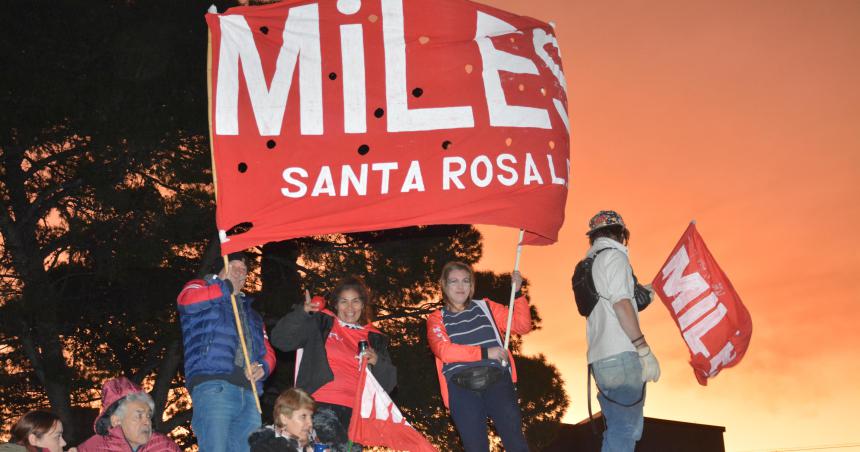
(331, 338)
(476, 373)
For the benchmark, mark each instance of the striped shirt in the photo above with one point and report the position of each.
(469, 327)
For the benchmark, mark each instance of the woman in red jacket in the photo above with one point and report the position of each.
(329, 336)
(476, 374)
(124, 423)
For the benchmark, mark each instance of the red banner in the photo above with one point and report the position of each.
(352, 115)
(376, 420)
(713, 321)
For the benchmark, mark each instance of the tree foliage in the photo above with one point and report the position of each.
(103, 184)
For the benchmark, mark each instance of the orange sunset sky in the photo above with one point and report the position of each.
(745, 116)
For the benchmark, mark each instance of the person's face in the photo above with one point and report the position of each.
(298, 424)
(458, 287)
(136, 423)
(237, 272)
(349, 306)
(52, 440)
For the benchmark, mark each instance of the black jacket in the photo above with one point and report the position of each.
(264, 440)
(299, 329)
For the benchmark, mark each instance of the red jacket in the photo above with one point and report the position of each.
(449, 352)
(114, 441)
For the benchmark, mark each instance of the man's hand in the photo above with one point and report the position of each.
(650, 366)
(255, 373)
(237, 273)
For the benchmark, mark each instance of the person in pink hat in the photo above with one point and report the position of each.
(125, 422)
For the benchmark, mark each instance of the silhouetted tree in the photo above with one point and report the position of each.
(104, 174)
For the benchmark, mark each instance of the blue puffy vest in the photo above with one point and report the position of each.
(210, 338)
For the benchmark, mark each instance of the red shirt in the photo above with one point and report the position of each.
(341, 347)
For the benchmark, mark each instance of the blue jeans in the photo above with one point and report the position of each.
(224, 416)
(619, 378)
(470, 409)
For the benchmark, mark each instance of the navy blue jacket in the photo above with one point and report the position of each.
(209, 333)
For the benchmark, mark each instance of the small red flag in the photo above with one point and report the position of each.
(708, 311)
(376, 420)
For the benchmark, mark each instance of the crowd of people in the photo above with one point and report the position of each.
(225, 370)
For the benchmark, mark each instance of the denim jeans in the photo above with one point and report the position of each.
(470, 410)
(224, 416)
(619, 378)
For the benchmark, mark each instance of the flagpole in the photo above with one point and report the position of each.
(209, 106)
(242, 341)
(513, 290)
(215, 186)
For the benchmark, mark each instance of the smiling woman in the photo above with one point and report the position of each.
(333, 339)
(476, 374)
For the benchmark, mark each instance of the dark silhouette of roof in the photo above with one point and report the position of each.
(658, 435)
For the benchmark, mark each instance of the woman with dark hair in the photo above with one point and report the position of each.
(328, 340)
(37, 431)
(476, 374)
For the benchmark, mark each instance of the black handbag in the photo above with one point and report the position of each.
(477, 378)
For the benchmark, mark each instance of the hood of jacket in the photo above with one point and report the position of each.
(113, 391)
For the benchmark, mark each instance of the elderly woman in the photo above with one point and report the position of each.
(476, 374)
(292, 430)
(329, 339)
(37, 431)
(125, 422)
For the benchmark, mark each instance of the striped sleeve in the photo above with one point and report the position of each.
(198, 296)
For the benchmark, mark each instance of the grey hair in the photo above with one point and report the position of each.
(134, 397)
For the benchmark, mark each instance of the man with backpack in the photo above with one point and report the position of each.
(618, 355)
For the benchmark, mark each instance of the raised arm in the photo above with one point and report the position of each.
(294, 329)
(522, 319)
(198, 295)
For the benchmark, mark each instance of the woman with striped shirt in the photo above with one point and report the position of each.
(476, 374)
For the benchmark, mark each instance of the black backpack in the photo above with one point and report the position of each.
(586, 295)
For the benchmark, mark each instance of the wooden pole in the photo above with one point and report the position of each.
(242, 340)
(239, 328)
(513, 290)
(209, 110)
